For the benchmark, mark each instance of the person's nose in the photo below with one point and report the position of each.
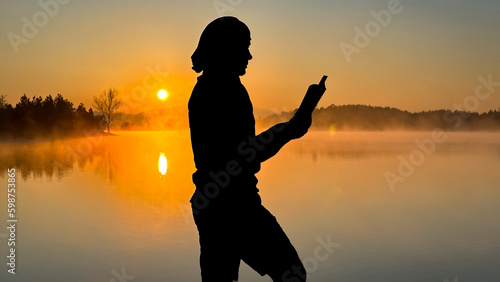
(249, 56)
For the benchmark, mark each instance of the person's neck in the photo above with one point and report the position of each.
(221, 74)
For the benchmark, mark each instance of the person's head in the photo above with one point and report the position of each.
(223, 47)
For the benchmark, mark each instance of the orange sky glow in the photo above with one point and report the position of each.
(413, 55)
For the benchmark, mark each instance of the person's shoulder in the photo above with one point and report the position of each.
(202, 94)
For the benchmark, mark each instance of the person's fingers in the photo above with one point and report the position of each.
(316, 88)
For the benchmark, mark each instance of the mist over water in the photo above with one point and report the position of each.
(91, 206)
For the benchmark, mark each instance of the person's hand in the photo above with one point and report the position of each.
(316, 91)
(302, 120)
(298, 125)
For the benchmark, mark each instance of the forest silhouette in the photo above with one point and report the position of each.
(337, 117)
(57, 118)
(46, 118)
(372, 118)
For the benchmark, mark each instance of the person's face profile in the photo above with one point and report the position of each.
(240, 56)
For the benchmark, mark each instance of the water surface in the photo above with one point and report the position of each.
(91, 208)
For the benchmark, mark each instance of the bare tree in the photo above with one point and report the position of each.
(108, 103)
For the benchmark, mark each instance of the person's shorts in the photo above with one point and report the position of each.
(254, 236)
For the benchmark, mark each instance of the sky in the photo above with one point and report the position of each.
(413, 55)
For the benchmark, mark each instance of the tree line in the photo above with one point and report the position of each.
(57, 117)
(363, 117)
(46, 118)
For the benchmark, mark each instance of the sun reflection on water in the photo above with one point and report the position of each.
(162, 164)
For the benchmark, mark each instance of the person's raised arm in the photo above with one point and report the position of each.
(269, 142)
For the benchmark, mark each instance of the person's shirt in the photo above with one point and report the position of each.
(221, 122)
(227, 154)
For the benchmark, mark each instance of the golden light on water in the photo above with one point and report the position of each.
(162, 94)
(332, 129)
(162, 164)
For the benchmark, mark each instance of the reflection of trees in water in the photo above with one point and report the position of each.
(104, 165)
(57, 159)
(360, 147)
(346, 150)
(36, 160)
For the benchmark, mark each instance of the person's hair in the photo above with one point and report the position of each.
(219, 38)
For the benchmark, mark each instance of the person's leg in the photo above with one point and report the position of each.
(267, 249)
(219, 259)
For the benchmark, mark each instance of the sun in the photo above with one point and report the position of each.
(162, 94)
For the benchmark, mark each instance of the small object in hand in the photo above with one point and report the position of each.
(313, 95)
(323, 80)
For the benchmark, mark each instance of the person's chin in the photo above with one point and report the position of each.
(242, 71)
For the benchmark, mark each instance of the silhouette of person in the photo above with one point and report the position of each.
(232, 223)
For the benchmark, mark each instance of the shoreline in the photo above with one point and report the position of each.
(24, 140)
(259, 130)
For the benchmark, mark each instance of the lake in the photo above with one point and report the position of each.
(387, 209)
